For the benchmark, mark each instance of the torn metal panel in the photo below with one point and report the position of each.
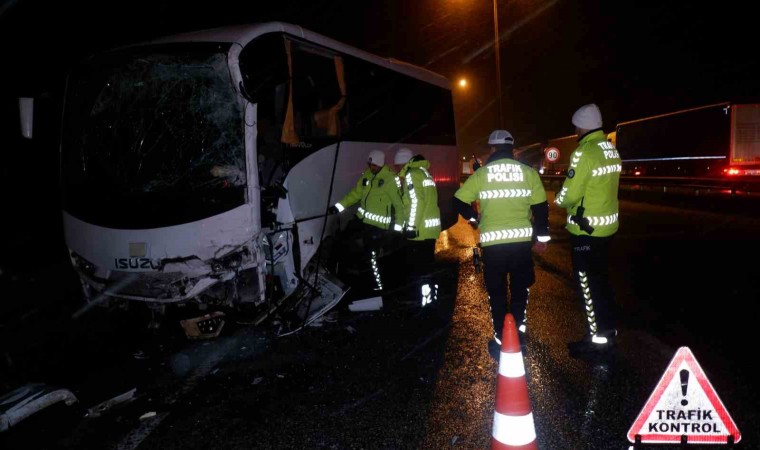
(21, 403)
(191, 266)
(330, 291)
(318, 300)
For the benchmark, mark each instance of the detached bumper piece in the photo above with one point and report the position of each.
(21, 403)
(330, 291)
(207, 326)
(367, 304)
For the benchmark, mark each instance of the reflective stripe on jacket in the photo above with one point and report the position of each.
(592, 181)
(379, 199)
(506, 189)
(420, 197)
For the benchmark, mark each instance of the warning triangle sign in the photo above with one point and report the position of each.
(684, 405)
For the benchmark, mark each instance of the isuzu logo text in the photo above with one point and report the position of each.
(134, 263)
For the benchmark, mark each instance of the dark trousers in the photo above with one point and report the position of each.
(372, 249)
(590, 256)
(419, 261)
(508, 268)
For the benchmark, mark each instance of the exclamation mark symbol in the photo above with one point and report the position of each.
(684, 385)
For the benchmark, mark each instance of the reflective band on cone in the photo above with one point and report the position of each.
(513, 426)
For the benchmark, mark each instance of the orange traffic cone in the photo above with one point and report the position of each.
(513, 426)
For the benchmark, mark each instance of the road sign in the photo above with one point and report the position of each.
(552, 154)
(684, 408)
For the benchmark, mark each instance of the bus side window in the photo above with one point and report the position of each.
(318, 93)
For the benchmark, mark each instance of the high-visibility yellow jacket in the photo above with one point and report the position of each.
(420, 197)
(592, 182)
(379, 200)
(506, 189)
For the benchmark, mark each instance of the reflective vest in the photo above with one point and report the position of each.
(592, 178)
(506, 189)
(420, 197)
(379, 200)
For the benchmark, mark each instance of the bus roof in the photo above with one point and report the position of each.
(243, 34)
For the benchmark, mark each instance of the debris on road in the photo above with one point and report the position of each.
(100, 408)
(21, 403)
(367, 304)
(148, 415)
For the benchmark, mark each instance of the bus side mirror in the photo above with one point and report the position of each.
(26, 114)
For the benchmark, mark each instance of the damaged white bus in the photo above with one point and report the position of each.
(197, 168)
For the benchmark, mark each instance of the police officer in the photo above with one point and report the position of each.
(514, 213)
(590, 195)
(380, 209)
(422, 221)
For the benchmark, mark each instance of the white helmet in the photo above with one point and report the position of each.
(376, 157)
(403, 155)
(501, 137)
(588, 117)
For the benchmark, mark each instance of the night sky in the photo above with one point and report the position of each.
(632, 60)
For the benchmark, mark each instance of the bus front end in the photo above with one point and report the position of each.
(154, 179)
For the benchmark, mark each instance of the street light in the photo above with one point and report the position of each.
(498, 63)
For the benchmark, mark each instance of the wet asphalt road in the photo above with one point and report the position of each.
(403, 378)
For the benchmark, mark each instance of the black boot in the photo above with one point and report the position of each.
(600, 344)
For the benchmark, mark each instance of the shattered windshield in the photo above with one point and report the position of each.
(153, 137)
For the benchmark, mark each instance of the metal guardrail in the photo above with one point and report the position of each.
(740, 196)
(739, 186)
(735, 186)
